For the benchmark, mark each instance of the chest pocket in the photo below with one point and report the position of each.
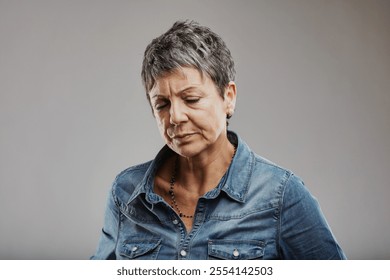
(235, 249)
(140, 249)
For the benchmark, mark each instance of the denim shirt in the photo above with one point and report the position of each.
(258, 211)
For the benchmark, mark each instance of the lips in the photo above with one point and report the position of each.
(175, 133)
(182, 135)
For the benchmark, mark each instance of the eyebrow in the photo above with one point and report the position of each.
(188, 89)
(156, 96)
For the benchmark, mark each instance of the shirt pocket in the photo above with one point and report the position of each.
(235, 249)
(140, 249)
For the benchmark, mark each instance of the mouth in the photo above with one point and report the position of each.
(182, 136)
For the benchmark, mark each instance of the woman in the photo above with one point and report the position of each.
(206, 195)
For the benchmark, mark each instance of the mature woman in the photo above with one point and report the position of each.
(206, 195)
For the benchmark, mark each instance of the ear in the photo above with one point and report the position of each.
(230, 98)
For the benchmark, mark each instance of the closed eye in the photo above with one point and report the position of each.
(159, 105)
(192, 100)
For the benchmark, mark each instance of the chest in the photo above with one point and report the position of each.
(219, 230)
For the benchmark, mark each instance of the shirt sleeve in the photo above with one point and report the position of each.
(304, 232)
(109, 235)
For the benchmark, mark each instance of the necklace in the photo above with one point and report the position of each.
(172, 186)
(173, 198)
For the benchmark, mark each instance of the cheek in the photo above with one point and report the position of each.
(217, 115)
(212, 120)
(162, 124)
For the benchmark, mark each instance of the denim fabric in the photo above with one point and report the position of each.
(258, 211)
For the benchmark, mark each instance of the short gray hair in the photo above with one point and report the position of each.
(188, 44)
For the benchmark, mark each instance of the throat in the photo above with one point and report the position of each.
(199, 176)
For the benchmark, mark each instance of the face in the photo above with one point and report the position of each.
(190, 112)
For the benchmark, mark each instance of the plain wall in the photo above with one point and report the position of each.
(313, 83)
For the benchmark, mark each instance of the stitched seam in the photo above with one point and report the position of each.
(119, 219)
(243, 215)
(283, 187)
(262, 161)
(248, 179)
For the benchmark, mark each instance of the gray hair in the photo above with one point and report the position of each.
(188, 44)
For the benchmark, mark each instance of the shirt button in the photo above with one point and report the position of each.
(236, 253)
(135, 248)
(183, 253)
(175, 222)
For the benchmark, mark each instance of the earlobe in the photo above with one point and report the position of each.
(230, 98)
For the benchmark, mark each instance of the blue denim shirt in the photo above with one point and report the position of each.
(258, 211)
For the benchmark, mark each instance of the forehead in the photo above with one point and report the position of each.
(180, 79)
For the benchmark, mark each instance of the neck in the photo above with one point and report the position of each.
(202, 173)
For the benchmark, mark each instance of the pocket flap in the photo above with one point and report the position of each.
(138, 247)
(236, 249)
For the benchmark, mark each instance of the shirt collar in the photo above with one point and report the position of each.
(235, 182)
(240, 170)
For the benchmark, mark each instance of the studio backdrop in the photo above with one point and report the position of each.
(313, 96)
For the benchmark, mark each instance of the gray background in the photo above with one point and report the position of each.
(313, 96)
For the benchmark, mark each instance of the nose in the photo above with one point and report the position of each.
(177, 113)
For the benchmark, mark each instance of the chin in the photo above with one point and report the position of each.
(187, 152)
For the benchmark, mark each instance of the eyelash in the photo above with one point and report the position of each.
(159, 107)
(192, 100)
(164, 104)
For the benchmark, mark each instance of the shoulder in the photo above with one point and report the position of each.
(282, 188)
(263, 177)
(139, 178)
(269, 170)
(288, 181)
(132, 173)
(282, 182)
(126, 182)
